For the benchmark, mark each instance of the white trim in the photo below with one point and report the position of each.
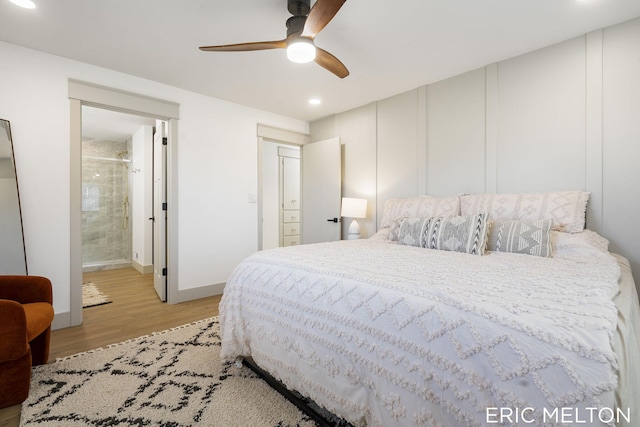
(61, 320)
(594, 130)
(172, 214)
(75, 216)
(185, 295)
(422, 140)
(282, 135)
(142, 269)
(83, 93)
(491, 129)
(260, 196)
(128, 102)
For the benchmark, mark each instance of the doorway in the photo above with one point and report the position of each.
(89, 94)
(269, 198)
(119, 179)
(280, 195)
(315, 218)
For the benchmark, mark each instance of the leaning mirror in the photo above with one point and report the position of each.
(13, 259)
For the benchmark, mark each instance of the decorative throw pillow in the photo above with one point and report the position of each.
(466, 234)
(567, 208)
(409, 231)
(394, 229)
(521, 237)
(419, 207)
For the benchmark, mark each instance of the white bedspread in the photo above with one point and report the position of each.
(383, 334)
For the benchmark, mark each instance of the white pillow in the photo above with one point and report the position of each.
(566, 208)
(420, 206)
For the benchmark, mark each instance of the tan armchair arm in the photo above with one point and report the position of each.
(25, 289)
(13, 330)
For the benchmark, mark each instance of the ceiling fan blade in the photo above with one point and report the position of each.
(243, 47)
(321, 13)
(331, 63)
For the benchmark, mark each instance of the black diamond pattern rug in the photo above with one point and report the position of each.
(171, 378)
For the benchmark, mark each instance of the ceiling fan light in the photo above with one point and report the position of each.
(301, 51)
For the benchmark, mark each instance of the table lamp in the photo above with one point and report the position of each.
(354, 208)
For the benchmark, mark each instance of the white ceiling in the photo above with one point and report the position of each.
(389, 46)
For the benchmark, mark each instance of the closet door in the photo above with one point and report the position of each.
(290, 184)
(290, 213)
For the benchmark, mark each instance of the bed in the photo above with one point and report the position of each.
(441, 320)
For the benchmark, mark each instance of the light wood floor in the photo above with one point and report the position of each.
(135, 311)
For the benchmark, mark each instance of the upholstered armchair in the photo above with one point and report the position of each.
(26, 313)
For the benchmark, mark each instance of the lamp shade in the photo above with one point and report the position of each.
(354, 208)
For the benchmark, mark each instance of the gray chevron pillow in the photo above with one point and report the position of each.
(467, 234)
(521, 237)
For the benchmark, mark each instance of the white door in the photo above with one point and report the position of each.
(321, 191)
(290, 183)
(160, 210)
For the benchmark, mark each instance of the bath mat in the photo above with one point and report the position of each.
(91, 296)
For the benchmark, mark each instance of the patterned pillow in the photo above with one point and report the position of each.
(467, 234)
(420, 206)
(409, 231)
(521, 237)
(566, 208)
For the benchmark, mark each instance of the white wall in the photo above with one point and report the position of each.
(563, 117)
(217, 167)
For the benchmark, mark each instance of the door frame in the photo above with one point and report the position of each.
(281, 136)
(84, 93)
(159, 215)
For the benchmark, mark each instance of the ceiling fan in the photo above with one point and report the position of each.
(302, 29)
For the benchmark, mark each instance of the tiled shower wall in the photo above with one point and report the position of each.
(106, 228)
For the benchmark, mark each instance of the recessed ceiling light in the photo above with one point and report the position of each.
(315, 101)
(27, 4)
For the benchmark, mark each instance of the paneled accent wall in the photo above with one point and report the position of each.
(621, 140)
(563, 117)
(455, 139)
(359, 142)
(541, 120)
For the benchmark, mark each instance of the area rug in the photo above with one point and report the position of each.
(91, 296)
(171, 378)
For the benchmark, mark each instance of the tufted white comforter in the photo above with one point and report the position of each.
(389, 335)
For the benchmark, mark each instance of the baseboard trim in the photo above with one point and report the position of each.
(61, 321)
(142, 269)
(200, 292)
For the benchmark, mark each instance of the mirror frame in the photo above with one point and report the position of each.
(7, 125)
